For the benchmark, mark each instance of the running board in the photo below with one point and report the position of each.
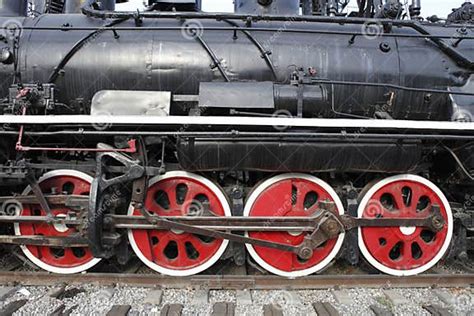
(223, 121)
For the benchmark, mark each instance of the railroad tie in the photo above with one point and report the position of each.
(6, 292)
(70, 293)
(437, 310)
(12, 307)
(62, 311)
(58, 311)
(272, 310)
(57, 292)
(172, 310)
(325, 309)
(154, 297)
(10, 263)
(379, 311)
(223, 309)
(201, 297)
(119, 310)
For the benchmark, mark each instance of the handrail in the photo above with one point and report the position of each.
(453, 53)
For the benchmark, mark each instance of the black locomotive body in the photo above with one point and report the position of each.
(168, 132)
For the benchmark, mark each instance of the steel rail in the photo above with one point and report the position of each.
(239, 281)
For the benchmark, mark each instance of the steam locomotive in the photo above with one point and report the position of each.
(288, 133)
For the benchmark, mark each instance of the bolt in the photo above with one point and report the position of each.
(352, 194)
(237, 193)
(305, 253)
(385, 47)
(331, 227)
(50, 219)
(438, 222)
(108, 221)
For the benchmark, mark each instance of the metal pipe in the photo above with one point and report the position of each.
(458, 57)
(240, 135)
(233, 29)
(74, 6)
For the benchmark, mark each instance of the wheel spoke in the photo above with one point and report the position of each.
(171, 192)
(391, 243)
(417, 192)
(302, 189)
(193, 191)
(399, 201)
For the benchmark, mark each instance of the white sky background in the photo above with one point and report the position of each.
(440, 8)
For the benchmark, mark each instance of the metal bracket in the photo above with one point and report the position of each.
(30, 177)
(133, 170)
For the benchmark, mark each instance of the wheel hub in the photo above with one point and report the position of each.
(407, 231)
(60, 227)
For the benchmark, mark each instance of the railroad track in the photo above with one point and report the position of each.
(282, 295)
(239, 282)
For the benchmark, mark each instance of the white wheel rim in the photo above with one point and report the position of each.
(367, 198)
(210, 262)
(25, 249)
(300, 273)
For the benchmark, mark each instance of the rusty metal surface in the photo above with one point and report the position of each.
(240, 282)
(52, 241)
(67, 200)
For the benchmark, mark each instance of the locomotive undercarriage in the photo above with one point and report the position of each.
(86, 202)
(183, 138)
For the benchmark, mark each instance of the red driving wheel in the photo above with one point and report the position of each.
(291, 195)
(54, 259)
(175, 252)
(404, 250)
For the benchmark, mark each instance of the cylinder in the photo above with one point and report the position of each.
(415, 9)
(315, 99)
(74, 6)
(13, 7)
(282, 7)
(416, 3)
